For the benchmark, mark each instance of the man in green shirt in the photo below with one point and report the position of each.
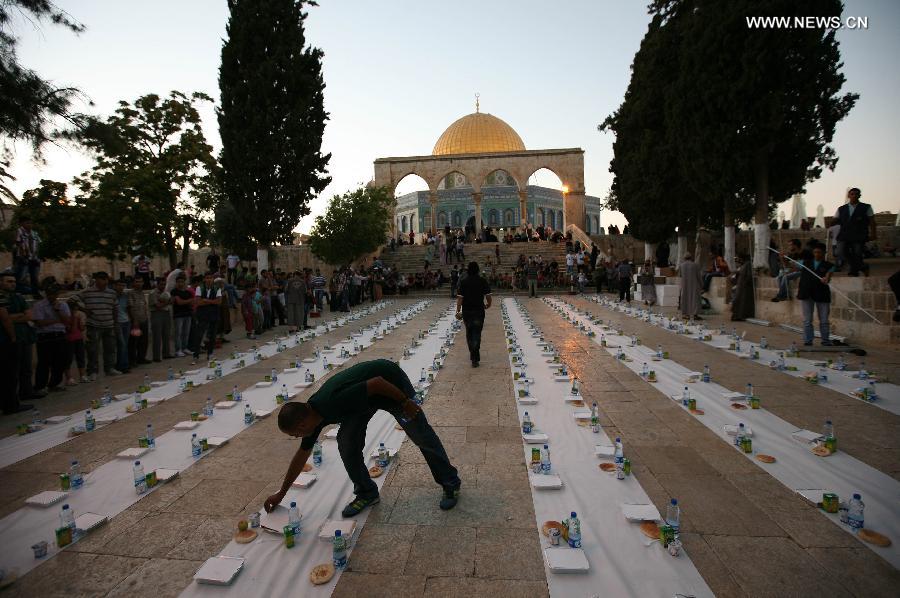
(350, 398)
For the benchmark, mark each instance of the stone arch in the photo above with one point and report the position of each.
(403, 224)
(454, 179)
(442, 219)
(508, 217)
(538, 170)
(493, 217)
(488, 180)
(410, 182)
(457, 218)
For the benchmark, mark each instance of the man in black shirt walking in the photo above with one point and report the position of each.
(473, 297)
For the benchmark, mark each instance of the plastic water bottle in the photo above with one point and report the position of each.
(763, 343)
(706, 377)
(136, 399)
(741, 432)
(576, 385)
(645, 370)
(76, 479)
(782, 364)
(823, 376)
(294, 518)
(284, 394)
(526, 423)
(317, 454)
(218, 371)
(339, 550)
(140, 479)
(422, 375)
(620, 460)
(107, 396)
(170, 374)
(828, 429)
(749, 391)
(545, 460)
(309, 376)
(595, 419)
(89, 422)
(235, 393)
(35, 417)
(208, 408)
(685, 396)
(840, 365)
(855, 515)
(673, 515)
(146, 381)
(248, 415)
(871, 392)
(863, 374)
(67, 517)
(574, 526)
(659, 351)
(274, 375)
(196, 448)
(383, 455)
(151, 440)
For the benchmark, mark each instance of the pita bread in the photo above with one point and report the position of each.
(607, 466)
(738, 406)
(697, 411)
(245, 537)
(307, 467)
(650, 529)
(321, 574)
(765, 458)
(375, 471)
(873, 537)
(820, 451)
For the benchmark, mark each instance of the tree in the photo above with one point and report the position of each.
(57, 220)
(155, 176)
(354, 224)
(271, 121)
(30, 106)
(755, 109)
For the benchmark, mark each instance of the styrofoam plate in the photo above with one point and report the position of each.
(806, 436)
(219, 570)
(106, 419)
(155, 400)
(309, 360)
(562, 378)
(216, 441)
(262, 413)
(186, 425)
(191, 372)
(545, 482)
(58, 419)
(530, 400)
(290, 370)
(605, 450)
(305, 480)
(226, 404)
(88, 521)
(46, 498)
(566, 560)
(133, 453)
(732, 430)
(158, 383)
(581, 415)
(332, 433)
(570, 398)
(347, 527)
(263, 384)
(164, 475)
(303, 385)
(640, 512)
(735, 396)
(535, 438)
(275, 521)
(122, 397)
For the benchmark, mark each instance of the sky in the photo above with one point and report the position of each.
(398, 72)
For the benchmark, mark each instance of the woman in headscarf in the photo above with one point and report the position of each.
(743, 305)
(691, 284)
(648, 288)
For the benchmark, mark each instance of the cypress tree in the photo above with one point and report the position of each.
(271, 120)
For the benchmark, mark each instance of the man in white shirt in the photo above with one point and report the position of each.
(173, 276)
(570, 264)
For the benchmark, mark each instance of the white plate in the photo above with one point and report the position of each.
(303, 384)
(226, 404)
(814, 495)
(535, 438)
(58, 419)
(305, 480)
(106, 420)
(262, 413)
(216, 441)
(264, 384)
(605, 450)
(155, 400)
(88, 521)
(347, 527)
(46, 498)
(290, 370)
(391, 452)
(191, 372)
(219, 570)
(570, 398)
(640, 512)
(545, 482)
(123, 397)
(562, 378)
(164, 475)
(581, 415)
(807, 436)
(566, 560)
(527, 401)
(186, 425)
(275, 521)
(158, 383)
(309, 360)
(732, 430)
(133, 453)
(735, 396)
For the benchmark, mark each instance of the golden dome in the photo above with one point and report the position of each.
(478, 133)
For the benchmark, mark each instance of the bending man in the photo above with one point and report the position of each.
(350, 398)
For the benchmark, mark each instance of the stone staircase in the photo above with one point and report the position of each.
(410, 259)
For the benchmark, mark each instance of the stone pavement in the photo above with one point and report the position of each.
(746, 532)
(489, 544)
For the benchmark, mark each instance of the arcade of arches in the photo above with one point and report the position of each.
(477, 175)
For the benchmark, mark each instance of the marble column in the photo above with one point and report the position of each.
(523, 209)
(476, 198)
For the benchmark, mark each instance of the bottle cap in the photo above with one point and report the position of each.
(828, 421)
(74, 462)
(194, 435)
(857, 496)
(65, 506)
(618, 439)
(674, 501)
(337, 533)
(293, 504)
(574, 515)
(137, 462)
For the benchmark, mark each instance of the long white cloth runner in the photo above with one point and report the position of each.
(108, 489)
(842, 381)
(270, 569)
(16, 448)
(623, 562)
(795, 467)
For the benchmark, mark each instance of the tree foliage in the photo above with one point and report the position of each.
(155, 175)
(31, 107)
(271, 121)
(354, 224)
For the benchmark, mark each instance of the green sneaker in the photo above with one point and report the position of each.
(358, 504)
(450, 498)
